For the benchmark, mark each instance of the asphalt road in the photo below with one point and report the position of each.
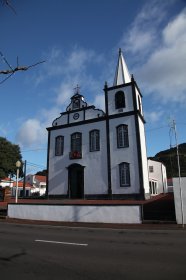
(32, 252)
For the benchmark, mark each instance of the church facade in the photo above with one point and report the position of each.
(98, 154)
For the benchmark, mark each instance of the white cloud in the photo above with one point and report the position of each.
(153, 116)
(164, 72)
(78, 59)
(64, 92)
(66, 72)
(99, 101)
(174, 32)
(31, 133)
(142, 35)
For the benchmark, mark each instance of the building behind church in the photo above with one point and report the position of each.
(100, 154)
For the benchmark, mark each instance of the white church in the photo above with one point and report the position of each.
(95, 154)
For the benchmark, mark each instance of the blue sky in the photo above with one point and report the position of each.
(79, 41)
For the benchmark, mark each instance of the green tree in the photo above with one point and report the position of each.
(9, 154)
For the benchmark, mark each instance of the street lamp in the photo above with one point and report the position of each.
(18, 165)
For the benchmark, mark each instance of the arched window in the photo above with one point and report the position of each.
(76, 104)
(76, 142)
(94, 140)
(119, 100)
(59, 145)
(122, 136)
(124, 174)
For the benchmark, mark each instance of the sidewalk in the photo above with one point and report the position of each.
(148, 225)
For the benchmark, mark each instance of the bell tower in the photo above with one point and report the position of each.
(126, 145)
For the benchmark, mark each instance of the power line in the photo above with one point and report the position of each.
(33, 150)
(35, 165)
(156, 128)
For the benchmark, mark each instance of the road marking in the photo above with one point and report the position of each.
(59, 242)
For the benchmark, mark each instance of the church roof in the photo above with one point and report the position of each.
(122, 75)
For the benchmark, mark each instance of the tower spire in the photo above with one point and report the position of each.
(122, 75)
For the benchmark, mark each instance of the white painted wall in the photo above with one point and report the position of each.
(73, 213)
(5, 183)
(178, 201)
(95, 179)
(139, 101)
(144, 157)
(128, 100)
(95, 172)
(159, 174)
(128, 154)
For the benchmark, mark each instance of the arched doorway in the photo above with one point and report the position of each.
(76, 180)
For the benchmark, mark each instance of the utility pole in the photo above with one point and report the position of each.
(24, 179)
(179, 173)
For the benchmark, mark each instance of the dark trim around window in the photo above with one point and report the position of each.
(119, 100)
(59, 145)
(122, 136)
(94, 140)
(124, 174)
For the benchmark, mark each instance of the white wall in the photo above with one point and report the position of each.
(128, 100)
(73, 213)
(178, 201)
(95, 179)
(144, 156)
(159, 174)
(4, 184)
(128, 154)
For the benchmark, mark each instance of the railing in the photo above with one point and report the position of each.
(75, 155)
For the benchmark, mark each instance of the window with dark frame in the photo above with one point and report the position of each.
(124, 174)
(76, 104)
(76, 142)
(94, 140)
(122, 136)
(151, 169)
(119, 100)
(153, 187)
(59, 145)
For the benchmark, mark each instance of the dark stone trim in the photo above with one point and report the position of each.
(77, 110)
(128, 167)
(108, 144)
(133, 81)
(84, 115)
(125, 114)
(48, 151)
(79, 204)
(68, 118)
(114, 116)
(134, 196)
(119, 86)
(80, 109)
(58, 196)
(126, 146)
(141, 117)
(138, 144)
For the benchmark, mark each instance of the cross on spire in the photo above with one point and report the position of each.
(77, 89)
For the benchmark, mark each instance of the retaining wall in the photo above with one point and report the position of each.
(129, 214)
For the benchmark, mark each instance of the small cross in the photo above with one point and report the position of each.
(77, 89)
